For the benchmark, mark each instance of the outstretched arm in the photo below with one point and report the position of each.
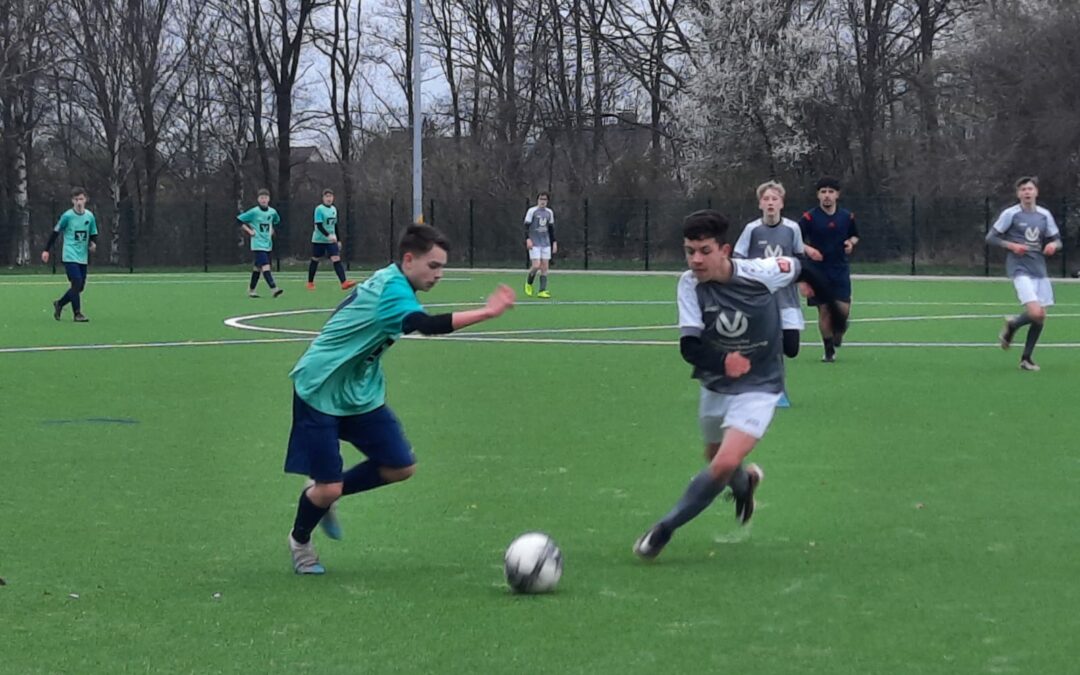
(440, 324)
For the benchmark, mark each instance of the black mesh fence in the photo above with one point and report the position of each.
(898, 235)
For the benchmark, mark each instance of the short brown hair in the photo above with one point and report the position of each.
(705, 224)
(76, 191)
(327, 191)
(263, 191)
(418, 239)
(1024, 180)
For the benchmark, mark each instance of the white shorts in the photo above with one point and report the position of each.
(750, 413)
(540, 253)
(1033, 290)
(791, 318)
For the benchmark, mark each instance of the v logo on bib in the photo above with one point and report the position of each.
(733, 326)
(1031, 234)
(773, 251)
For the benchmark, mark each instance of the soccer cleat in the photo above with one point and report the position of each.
(528, 289)
(649, 545)
(311, 285)
(347, 284)
(544, 294)
(828, 358)
(81, 318)
(784, 401)
(1006, 335)
(304, 558)
(744, 504)
(252, 294)
(1028, 364)
(278, 291)
(838, 339)
(57, 310)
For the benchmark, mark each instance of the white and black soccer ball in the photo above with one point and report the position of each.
(533, 563)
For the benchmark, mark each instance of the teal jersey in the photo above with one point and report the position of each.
(327, 217)
(77, 231)
(340, 373)
(262, 221)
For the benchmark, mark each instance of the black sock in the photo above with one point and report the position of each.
(269, 279)
(65, 298)
(701, 492)
(307, 517)
(1018, 322)
(312, 267)
(791, 342)
(254, 280)
(829, 348)
(532, 276)
(76, 303)
(543, 282)
(361, 478)
(1032, 337)
(339, 269)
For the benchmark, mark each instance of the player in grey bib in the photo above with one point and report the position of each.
(540, 242)
(729, 325)
(1029, 234)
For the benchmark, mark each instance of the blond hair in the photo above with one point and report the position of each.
(771, 185)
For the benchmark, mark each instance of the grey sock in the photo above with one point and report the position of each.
(532, 276)
(543, 282)
(703, 489)
(1032, 337)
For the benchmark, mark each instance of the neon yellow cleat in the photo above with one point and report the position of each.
(543, 294)
(528, 289)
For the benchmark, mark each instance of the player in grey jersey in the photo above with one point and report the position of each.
(540, 241)
(1029, 233)
(771, 236)
(730, 333)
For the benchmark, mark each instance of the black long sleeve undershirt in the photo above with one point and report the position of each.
(439, 324)
(52, 240)
(321, 229)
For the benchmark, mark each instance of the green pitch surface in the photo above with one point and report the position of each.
(919, 513)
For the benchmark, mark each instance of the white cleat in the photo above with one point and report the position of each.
(304, 558)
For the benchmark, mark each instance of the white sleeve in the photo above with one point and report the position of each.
(799, 248)
(529, 214)
(772, 273)
(690, 321)
(742, 246)
(1051, 225)
(1004, 221)
(552, 216)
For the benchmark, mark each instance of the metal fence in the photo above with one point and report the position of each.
(898, 235)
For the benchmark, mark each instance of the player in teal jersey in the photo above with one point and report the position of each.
(326, 242)
(339, 392)
(258, 223)
(79, 228)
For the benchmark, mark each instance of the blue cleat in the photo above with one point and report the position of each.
(784, 402)
(304, 558)
(330, 524)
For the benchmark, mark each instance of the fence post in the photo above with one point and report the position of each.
(1063, 232)
(528, 226)
(986, 230)
(472, 234)
(206, 236)
(391, 228)
(55, 255)
(431, 212)
(586, 228)
(128, 211)
(914, 235)
(646, 235)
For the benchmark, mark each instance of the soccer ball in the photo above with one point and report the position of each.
(533, 563)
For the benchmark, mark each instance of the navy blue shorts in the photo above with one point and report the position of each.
(76, 273)
(839, 278)
(314, 450)
(261, 258)
(325, 250)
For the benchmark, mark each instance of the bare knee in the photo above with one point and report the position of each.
(724, 464)
(1038, 315)
(397, 474)
(324, 494)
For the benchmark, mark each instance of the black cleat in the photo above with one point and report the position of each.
(57, 310)
(828, 358)
(278, 291)
(80, 318)
(744, 504)
(649, 545)
(838, 340)
(1028, 364)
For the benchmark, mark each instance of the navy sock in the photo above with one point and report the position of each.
(339, 269)
(312, 267)
(1032, 337)
(307, 517)
(76, 302)
(65, 298)
(361, 478)
(269, 279)
(543, 282)
(254, 280)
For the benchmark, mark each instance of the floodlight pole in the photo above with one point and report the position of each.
(417, 120)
